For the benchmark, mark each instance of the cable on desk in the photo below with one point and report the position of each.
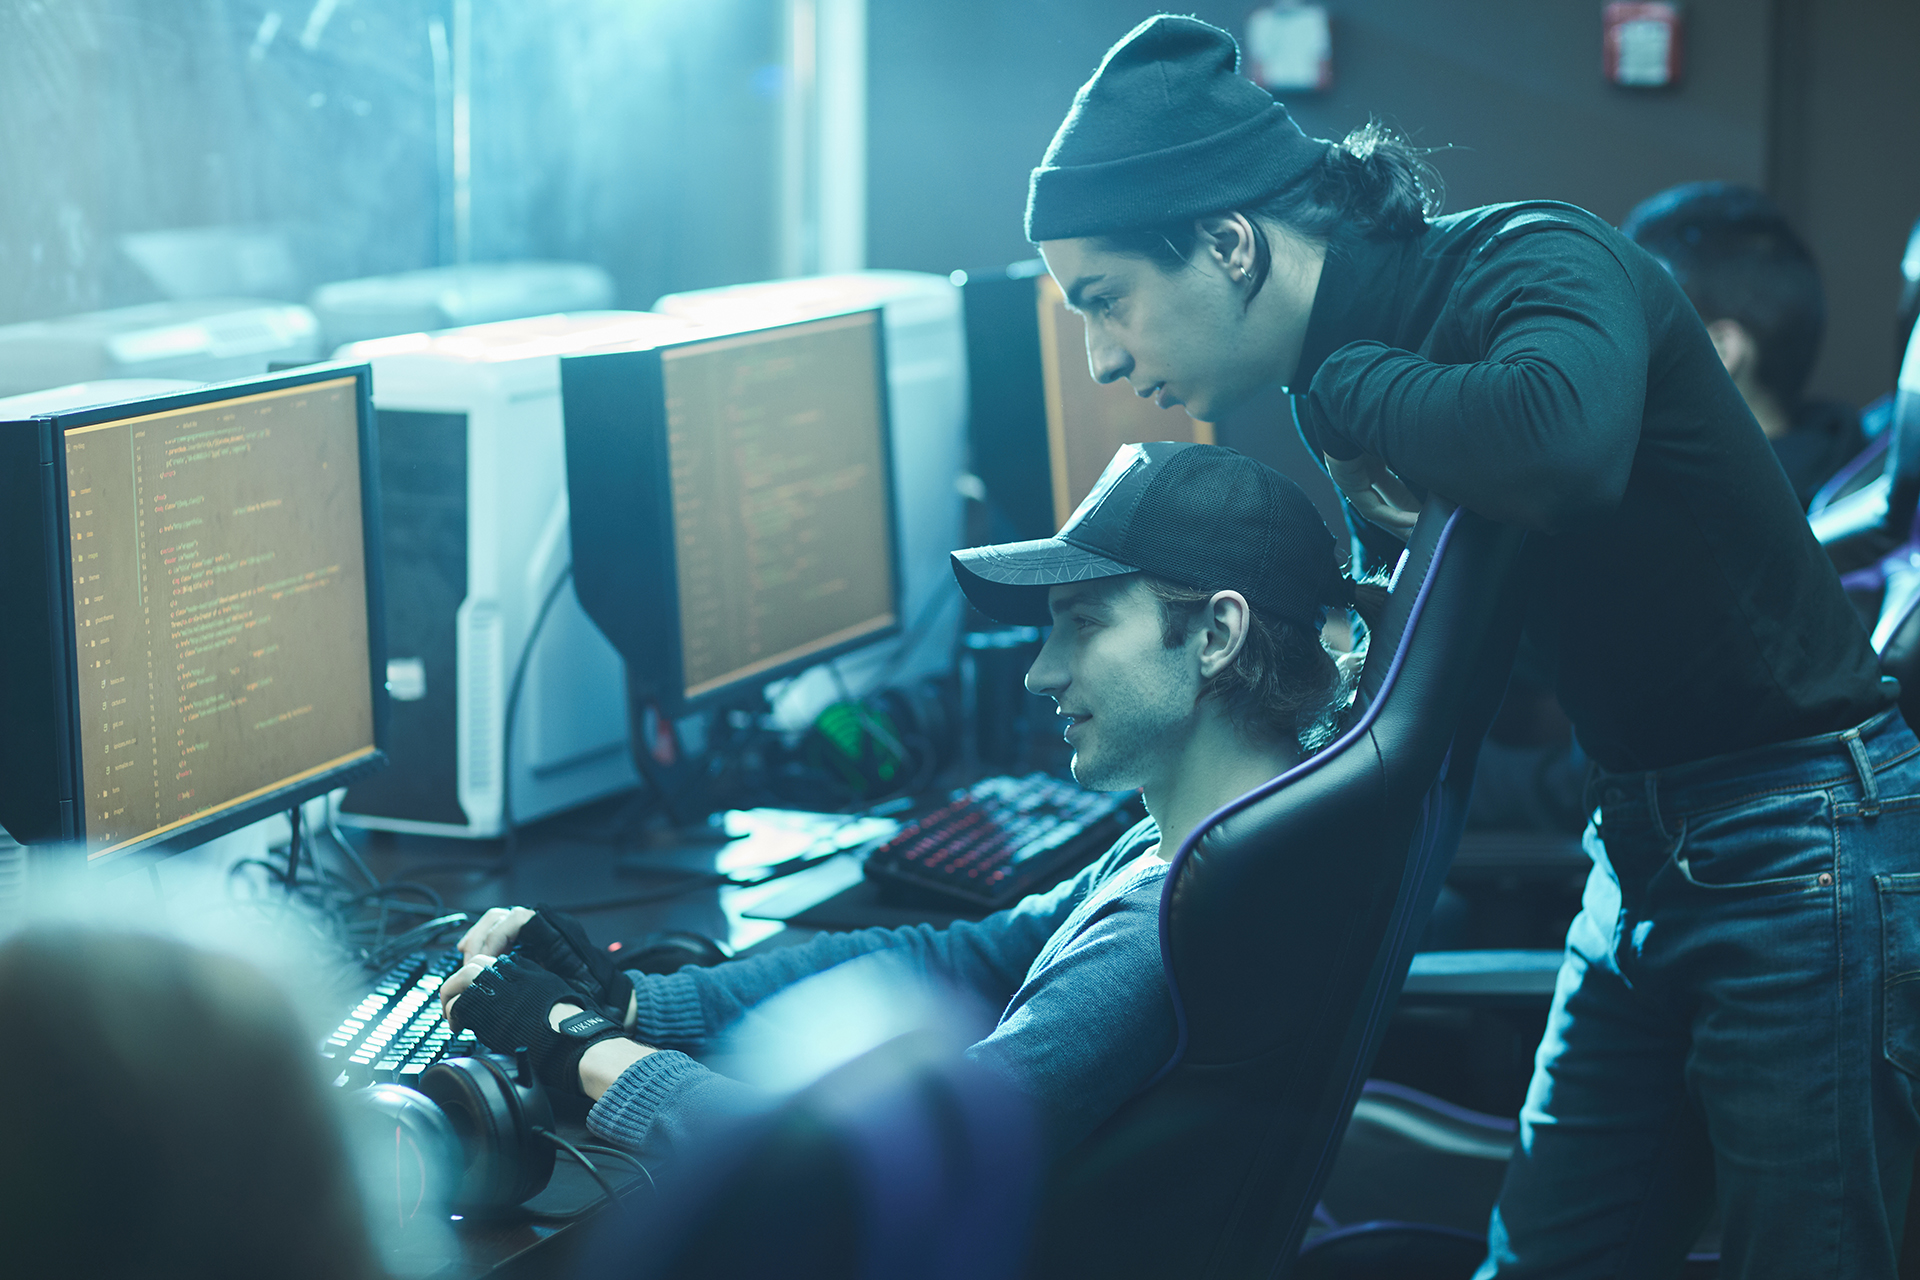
(601, 1178)
(627, 1156)
(332, 905)
(508, 828)
(415, 938)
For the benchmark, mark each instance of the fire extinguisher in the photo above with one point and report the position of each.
(1642, 44)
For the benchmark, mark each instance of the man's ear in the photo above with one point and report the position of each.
(1738, 350)
(1229, 241)
(1227, 621)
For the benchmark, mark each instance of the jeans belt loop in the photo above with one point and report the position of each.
(1869, 789)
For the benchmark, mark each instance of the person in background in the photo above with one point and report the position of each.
(1757, 289)
(164, 1118)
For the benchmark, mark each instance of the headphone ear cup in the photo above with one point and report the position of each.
(495, 1117)
(407, 1147)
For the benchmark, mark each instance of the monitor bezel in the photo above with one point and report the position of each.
(665, 685)
(280, 799)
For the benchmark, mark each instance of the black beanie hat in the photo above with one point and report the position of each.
(1167, 128)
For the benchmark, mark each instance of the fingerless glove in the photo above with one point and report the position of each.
(558, 943)
(507, 1007)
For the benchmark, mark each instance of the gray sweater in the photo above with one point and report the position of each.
(1085, 1021)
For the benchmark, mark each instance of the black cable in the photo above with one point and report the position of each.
(416, 937)
(628, 1156)
(433, 899)
(351, 854)
(508, 829)
(643, 758)
(293, 849)
(593, 1170)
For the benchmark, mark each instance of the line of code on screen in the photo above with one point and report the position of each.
(220, 605)
(781, 510)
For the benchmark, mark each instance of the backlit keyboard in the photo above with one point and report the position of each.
(1003, 838)
(396, 1031)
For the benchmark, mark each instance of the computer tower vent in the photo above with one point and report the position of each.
(481, 645)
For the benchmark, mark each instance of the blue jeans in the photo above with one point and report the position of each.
(1737, 1022)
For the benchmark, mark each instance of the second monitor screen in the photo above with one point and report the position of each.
(781, 501)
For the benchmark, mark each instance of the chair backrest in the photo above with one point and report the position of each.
(1896, 636)
(1287, 925)
(1858, 530)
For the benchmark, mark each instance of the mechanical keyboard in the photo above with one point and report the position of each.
(396, 1031)
(1002, 838)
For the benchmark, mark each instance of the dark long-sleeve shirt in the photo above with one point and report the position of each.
(1085, 1016)
(1531, 364)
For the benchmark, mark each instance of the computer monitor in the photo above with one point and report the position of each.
(1041, 429)
(193, 585)
(732, 505)
(927, 412)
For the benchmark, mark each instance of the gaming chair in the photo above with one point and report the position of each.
(1286, 927)
(1871, 537)
(1876, 520)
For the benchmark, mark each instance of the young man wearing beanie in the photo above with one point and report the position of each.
(1735, 1017)
(1186, 597)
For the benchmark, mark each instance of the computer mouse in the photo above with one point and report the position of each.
(669, 952)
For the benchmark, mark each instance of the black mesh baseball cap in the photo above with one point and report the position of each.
(1200, 515)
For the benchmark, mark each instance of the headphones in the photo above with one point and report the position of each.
(897, 738)
(471, 1136)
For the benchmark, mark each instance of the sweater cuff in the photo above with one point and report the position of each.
(668, 1013)
(627, 1110)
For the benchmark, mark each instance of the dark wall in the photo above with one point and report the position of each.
(609, 131)
(1846, 115)
(965, 97)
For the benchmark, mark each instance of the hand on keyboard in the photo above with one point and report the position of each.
(516, 1004)
(494, 933)
(558, 943)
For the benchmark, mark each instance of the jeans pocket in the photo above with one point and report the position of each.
(1900, 969)
(1779, 844)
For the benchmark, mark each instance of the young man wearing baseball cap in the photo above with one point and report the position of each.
(1186, 597)
(1736, 1018)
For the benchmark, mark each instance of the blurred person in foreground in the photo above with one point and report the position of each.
(164, 1117)
(1755, 284)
